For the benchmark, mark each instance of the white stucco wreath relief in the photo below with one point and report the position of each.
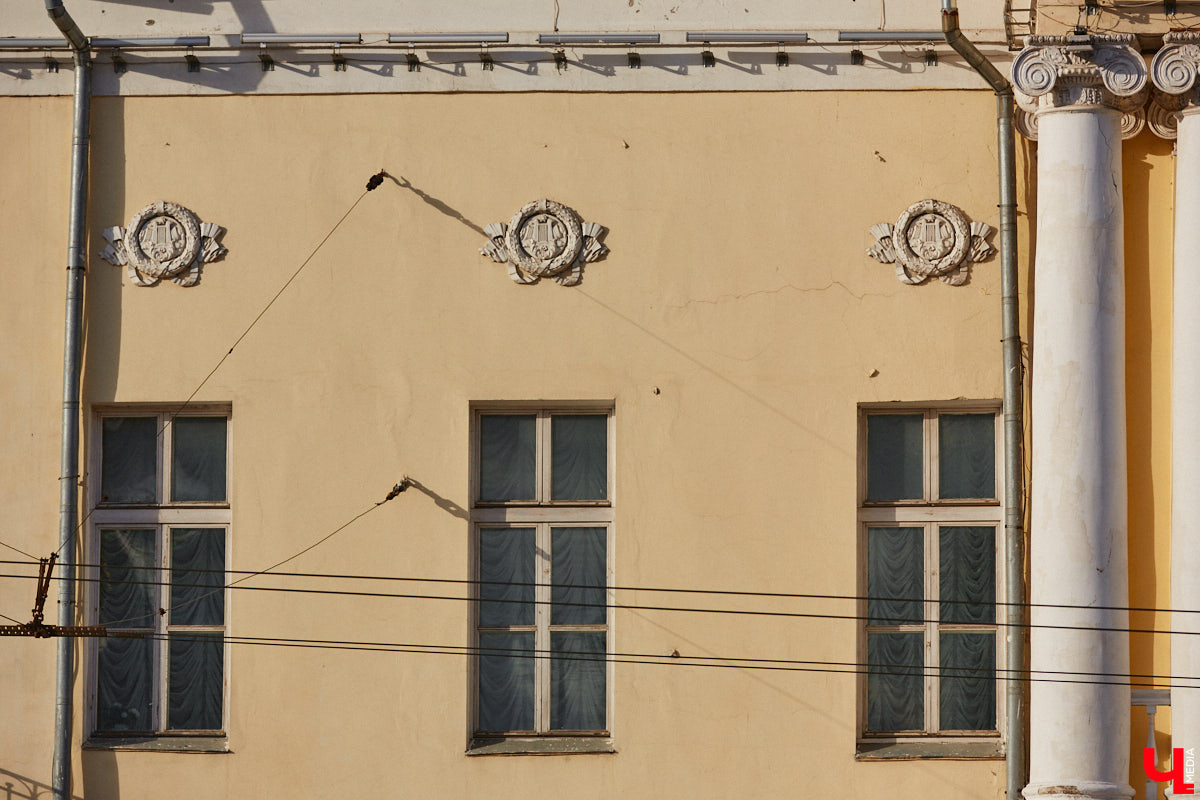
(931, 239)
(545, 239)
(163, 240)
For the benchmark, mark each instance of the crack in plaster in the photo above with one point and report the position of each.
(725, 298)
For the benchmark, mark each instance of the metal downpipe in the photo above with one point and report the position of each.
(1016, 772)
(72, 366)
(60, 17)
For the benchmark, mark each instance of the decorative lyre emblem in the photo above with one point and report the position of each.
(545, 239)
(163, 240)
(543, 236)
(931, 236)
(931, 239)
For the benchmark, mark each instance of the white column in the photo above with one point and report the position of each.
(1177, 113)
(1078, 89)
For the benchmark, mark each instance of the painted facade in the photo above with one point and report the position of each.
(716, 306)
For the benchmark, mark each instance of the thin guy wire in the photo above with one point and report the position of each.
(619, 588)
(234, 584)
(18, 550)
(228, 353)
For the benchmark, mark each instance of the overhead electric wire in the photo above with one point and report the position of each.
(622, 588)
(372, 184)
(856, 668)
(980, 671)
(869, 618)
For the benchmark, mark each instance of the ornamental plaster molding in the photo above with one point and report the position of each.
(1175, 66)
(1132, 123)
(1078, 72)
(163, 240)
(1162, 115)
(545, 239)
(1026, 123)
(1174, 71)
(931, 239)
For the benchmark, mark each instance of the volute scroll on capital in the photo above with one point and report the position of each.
(1174, 71)
(1176, 65)
(1062, 72)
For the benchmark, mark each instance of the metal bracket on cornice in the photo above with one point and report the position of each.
(268, 63)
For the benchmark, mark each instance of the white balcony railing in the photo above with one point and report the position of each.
(1151, 699)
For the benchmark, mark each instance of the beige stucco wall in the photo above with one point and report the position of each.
(1148, 168)
(34, 212)
(737, 286)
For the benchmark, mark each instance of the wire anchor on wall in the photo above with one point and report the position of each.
(36, 627)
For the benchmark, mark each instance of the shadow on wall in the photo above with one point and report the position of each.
(443, 503)
(102, 288)
(252, 17)
(99, 781)
(14, 786)
(100, 775)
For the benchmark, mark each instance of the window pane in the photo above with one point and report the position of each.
(198, 458)
(579, 457)
(967, 455)
(126, 578)
(895, 685)
(196, 684)
(128, 454)
(895, 448)
(968, 686)
(968, 574)
(579, 567)
(124, 685)
(507, 449)
(197, 576)
(506, 574)
(895, 576)
(506, 682)
(577, 681)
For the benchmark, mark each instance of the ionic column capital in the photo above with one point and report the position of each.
(1174, 71)
(1056, 73)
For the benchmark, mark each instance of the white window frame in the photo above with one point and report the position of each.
(930, 513)
(160, 516)
(543, 514)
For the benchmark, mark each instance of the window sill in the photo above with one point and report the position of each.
(540, 746)
(161, 744)
(943, 749)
